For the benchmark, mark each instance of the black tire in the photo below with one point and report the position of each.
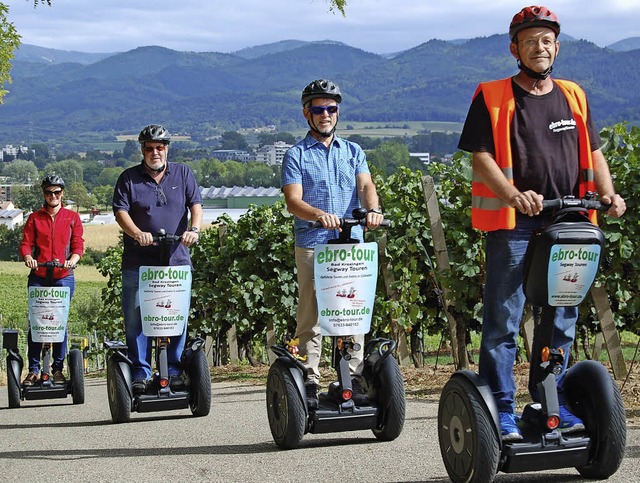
(76, 373)
(594, 397)
(391, 401)
(118, 393)
(200, 377)
(13, 387)
(469, 443)
(284, 407)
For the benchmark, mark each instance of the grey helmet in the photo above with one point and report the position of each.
(154, 133)
(52, 180)
(321, 88)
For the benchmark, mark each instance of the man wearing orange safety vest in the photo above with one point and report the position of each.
(532, 138)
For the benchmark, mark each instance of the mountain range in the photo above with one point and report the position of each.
(59, 95)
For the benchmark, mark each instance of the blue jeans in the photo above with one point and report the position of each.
(59, 348)
(504, 302)
(139, 345)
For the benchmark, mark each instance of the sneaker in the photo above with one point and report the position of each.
(569, 423)
(58, 378)
(312, 395)
(509, 427)
(360, 397)
(139, 387)
(176, 383)
(31, 379)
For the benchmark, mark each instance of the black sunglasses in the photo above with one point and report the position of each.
(317, 110)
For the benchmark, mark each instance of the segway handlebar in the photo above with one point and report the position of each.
(54, 264)
(163, 237)
(349, 222)
(570, 202)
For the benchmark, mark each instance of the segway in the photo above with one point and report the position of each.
(561, 263)
(48, 316)
(290, 416)
(165, 294)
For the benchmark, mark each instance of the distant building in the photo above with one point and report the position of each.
(232, 155)
(6, 188)
(9, 216)
(424, 157)
(13, 151)
(239, 197)
(272, 154)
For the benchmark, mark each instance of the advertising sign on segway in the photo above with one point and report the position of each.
(345, 277)
(48, 312)
(165, 295)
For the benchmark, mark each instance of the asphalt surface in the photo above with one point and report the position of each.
(55, 441)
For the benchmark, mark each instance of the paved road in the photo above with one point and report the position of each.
(54, 441)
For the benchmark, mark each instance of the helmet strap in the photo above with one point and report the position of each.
(533, 74)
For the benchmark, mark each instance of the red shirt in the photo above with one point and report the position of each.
(47, 239)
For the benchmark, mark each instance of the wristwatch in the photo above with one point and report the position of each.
(195, 229)
(377, 211)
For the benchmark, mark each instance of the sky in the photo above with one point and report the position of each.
(378, 26)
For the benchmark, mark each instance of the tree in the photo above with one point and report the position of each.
(9, 42)
(131, 150)
(233, 140)
(21, 171)
(69, 169)
(27, 199)
(77, 192)
(259, 174)
(104, 195)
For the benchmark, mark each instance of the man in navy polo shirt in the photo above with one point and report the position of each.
(148, 197)
(324, 178)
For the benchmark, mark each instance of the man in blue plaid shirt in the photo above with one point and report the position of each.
(324, 178)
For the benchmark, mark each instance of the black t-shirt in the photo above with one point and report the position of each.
(544, 141)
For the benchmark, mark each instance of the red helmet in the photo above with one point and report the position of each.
(533, 16)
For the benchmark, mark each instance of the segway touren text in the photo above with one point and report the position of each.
(164, 293)
(48, 315)
(560, 266)
(341, 304)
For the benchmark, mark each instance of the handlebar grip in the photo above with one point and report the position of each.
(317, 224)
(559, 203)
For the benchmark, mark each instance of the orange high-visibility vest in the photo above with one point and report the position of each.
(488, 212)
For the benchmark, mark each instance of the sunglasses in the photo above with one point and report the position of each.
(150, 149)
(52, 192)
(317, 110)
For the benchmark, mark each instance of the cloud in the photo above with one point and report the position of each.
(374, 25)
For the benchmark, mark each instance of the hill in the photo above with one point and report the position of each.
(204, 93)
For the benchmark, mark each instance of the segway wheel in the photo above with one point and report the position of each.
(391, 401)
(594, 396)
(13, 388)
(284, 407)
(76, 371)
(468, 441)
(118, 392)
(200, 399)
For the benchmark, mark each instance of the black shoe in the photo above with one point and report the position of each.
(176, 383)
(139, 387)
(312, 395)
(360, 397)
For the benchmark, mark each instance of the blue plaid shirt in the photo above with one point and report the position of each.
(328, 179)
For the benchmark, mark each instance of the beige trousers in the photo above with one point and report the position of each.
(308, 325)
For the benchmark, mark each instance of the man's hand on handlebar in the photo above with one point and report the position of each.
(330, 222)
(618, 206)
(143, 238)
(527, 202)
(189, 238)
(374, 220)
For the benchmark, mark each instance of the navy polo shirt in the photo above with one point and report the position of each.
(154, 206)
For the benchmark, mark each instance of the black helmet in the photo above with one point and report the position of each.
(155, 133)
(52, 180)
(321, 88)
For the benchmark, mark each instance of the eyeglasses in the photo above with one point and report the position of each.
(547, 43)
(162, 198)
(53, 192)
(150, 149)
(318, 110)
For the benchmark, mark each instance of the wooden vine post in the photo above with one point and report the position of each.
(457, 334)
